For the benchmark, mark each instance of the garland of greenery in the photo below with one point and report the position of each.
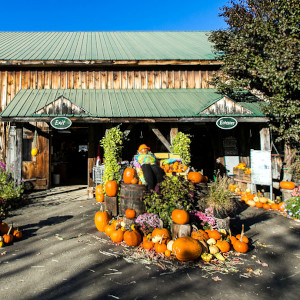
(112, 145)
(181, 146)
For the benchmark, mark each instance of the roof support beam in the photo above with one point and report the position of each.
(162, 138)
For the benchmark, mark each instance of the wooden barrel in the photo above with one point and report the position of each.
(131, 196)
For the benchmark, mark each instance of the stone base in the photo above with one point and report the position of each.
(178, 230)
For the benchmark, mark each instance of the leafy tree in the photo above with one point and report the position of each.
(260, 51)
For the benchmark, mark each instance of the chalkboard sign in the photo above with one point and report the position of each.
(261, 167)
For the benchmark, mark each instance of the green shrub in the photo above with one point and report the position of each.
(292, 207)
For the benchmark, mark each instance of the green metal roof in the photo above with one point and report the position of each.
(121, 45)
(133, 103)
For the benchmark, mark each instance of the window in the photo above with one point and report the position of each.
(27, 146)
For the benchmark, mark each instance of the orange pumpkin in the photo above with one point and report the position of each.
(168, 253)
(101, 220)
(163, 232)
(130, 213)
(266, 206)
(240, 246)
(134, 181)
(132, 238)
(186, 248)
(17, 234)
(281, 206)
(214, 234)
(259, 204)
(8, 237)
(3, 228)
(100, 197)
(111, 188)
(109, 229)
(128, 175)
(98, 190)
(287, 185)
(274, 206)
(245, 239)
(160, 247)
(195, 177)
(147, 244)
(224, 246)
(117, 236)
(200, 235)
(180, 216)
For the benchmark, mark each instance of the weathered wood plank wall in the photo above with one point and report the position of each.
(12, 81)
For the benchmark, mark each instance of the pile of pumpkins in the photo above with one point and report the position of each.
(9, 234)
(206, 244)
(176, 167)
(243, 166)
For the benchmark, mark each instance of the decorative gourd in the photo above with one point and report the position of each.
(206, 257)
(231, 237)
(214, 249)
(8, 238)
(170, 245)
(214, 234)
(186, 248)
(128, 175)
(117, 236)
(180, 216)
(34, 151)
(223, 245)
(251, 203)
(195, 177)
(130, 213)
(287, 185)
(200, 235)
(263, 199)
(211, 241)
(239, 245)
(161, 233)
(101, 220)
(1, 241)
(111, 188)
(132, 238)
(3, 228)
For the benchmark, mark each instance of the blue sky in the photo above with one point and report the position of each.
(88, 15)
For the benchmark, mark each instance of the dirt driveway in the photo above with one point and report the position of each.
(62, 256)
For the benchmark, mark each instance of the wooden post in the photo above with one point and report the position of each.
(265, 140)
(19, 153)
(11, 142)
(91, 157)
(162, 138)
(173, 133)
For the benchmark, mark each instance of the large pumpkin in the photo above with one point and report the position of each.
(180, 216)
(195, 177)
(287, 185)
(186, 248)
(111, 188)
(132, 238)
(128, 175)
(161, 232)
(101, 220)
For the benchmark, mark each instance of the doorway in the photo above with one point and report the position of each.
(69, 156)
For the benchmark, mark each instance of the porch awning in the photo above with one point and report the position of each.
(126, 103)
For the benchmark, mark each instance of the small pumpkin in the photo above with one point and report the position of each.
(287, 185)
(266, 206)
(239, 245)
(17, 234)
(186, 248)
(117, 236)
(168, 253)
(274, 206)
(109, 229)
(132, 238)
(128, 175)
(99, 190)
(160, 247)
(111, 188)
(134, 181)
(100, 197)
(214, 234)
(206, 256)
(8, 237)
(200, 235)
(130, 213)
(147, 244)
(162, 233)
(195, 177)
(258, 204)
(223, 245)
(180, 216)
(101, 220)
(281, 206)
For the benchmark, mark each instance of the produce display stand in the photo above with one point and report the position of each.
(242, 180)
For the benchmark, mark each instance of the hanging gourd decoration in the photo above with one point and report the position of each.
(34, 150)
(239, 245)
(111, 188)
(186, 248)
(180, 216)
(8, 238)
(101, 220)
(195, 177)
(287, 185)
(132, 238)
(128, 175)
